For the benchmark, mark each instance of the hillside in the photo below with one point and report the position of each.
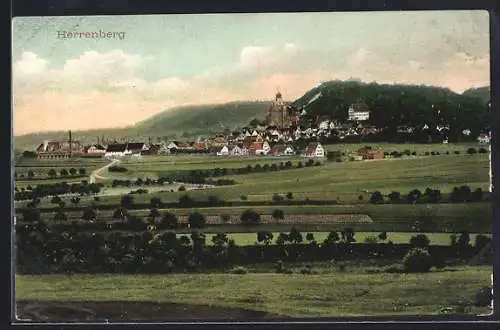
(393, 105)
(188, 121)
(484, 93)
(203, 119)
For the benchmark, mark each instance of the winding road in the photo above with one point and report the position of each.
(95, 174)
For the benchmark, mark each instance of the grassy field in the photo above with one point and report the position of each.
(243, 239)
(345, 181)
(329, 293)
(413, 147)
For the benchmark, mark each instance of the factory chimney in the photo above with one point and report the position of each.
(70, 146)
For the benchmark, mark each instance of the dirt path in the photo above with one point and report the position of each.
(52, 311)
(95, 174)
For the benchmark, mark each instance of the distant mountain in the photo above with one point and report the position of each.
(484, 93)
(203, 119)
(187, 121)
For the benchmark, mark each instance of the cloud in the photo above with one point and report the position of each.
(30, 64)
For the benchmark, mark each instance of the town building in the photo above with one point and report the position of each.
(94, 150)
(483, 138)
(314, 149)
(281, 115)
(358, 112)
(60, 149)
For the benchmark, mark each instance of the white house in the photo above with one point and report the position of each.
(238, 151)
(358, 112)
(314, 149)
(223, 151)
(289, 151)
(466, 132)
(483, 138)
(117, 150)
(324, 125)
(95, 150)
(262, 148)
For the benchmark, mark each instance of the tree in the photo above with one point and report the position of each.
(395, 197)
(153, 214)
(295, 236)
(348, 235)
(89, 214)
(414, 196)
(120, 213)
(72, 171)
(417, 260)
(60, 216)
(127, 201)
(289, 195)
(55, 200)
(220, 240)
(64, 172)
(82, 171)
(265, 237)
(420, 241)
(31, 174)
(75, 200)
(250, 217)
(332, 238)
(376, 197)
(310, 237)
(186, 201)
(278, 215)
(155, 202)
(52, 173)
(382, 236)
(254, 123)
(169, 221)
(196, 220)
(463, 239)
(282, 239)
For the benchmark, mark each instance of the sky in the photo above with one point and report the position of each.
(94, 72)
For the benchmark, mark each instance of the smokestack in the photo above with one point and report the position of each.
(69, 133)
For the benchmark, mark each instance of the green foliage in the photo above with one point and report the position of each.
(196, 220)
(278, 214)
(168, 221)
(238, 270)
(420, 241)
(417, 260)
(250, 217)
(127, 201)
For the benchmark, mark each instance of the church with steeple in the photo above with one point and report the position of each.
(281, 115)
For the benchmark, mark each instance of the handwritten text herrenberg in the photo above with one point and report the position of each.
(90, 35)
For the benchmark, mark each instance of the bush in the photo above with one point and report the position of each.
(382, 236)
(482, 151)
(250, 217)
(371, 239)
(456, 152)
(181, 188)
(420, 241)
(238, 270)
(127, 201)
(289, 195)
(471, 151)
(417, 260)
(376, 198)
(277, 198)
(196, 220)
(244, 197)
(168, 221)
(483, 297)
(481, 241)
(117, 169)
(395, 197)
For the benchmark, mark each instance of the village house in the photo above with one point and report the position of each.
(483, 139)
(60, 149)
(200, 146)
(281, 150)
(238, 150)
(358, 112)
(466, 132)
(116, 150)
(314, 149)
(94, 150)
(222, 151)
(261, 148)
(367, 130)
(136, 148)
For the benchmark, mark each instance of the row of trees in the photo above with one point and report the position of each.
(462, 194)
(43, 248)
(53, 173)
(60, 188)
